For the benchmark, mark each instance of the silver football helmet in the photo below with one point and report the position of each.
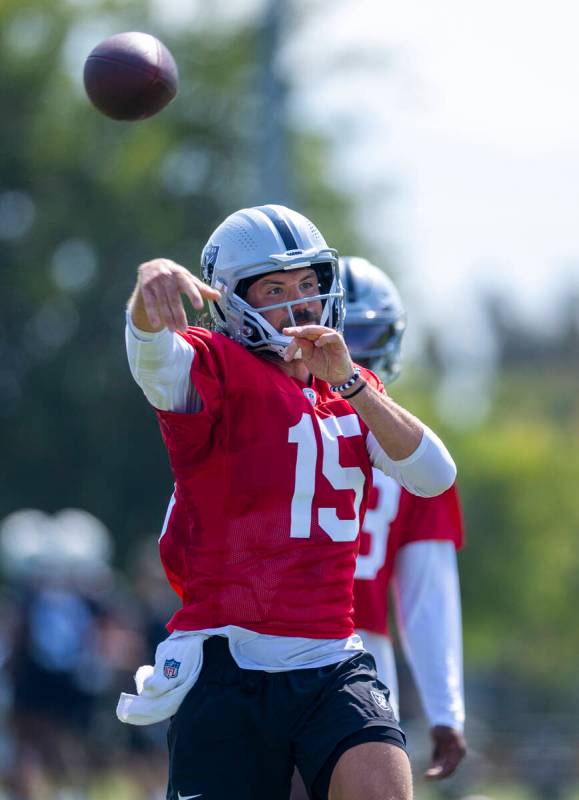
(375, 317)
(253, 242)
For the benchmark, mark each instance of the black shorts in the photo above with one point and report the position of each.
(239, 733)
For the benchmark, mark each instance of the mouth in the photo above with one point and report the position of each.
(305, 317)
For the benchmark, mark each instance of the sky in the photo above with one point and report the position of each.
(469, 112)
(455, 127)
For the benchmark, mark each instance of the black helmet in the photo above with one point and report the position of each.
(375, 317)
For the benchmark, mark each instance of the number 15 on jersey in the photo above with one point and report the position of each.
(341, 478)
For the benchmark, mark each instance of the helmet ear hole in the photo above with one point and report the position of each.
(325, 273)
(250, 331)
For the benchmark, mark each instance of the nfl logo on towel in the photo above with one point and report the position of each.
(171, 668)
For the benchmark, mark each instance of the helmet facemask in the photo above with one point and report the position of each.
(259, 334)
(252, 243)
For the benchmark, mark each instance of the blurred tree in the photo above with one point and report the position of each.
(83, 200)
(517, 477)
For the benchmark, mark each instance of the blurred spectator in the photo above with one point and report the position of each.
(66, 634)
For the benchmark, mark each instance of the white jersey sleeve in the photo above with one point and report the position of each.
(160, 364)
(427, 605)
(426, 472)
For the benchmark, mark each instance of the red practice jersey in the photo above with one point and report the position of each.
(272, 479)
(395, 518)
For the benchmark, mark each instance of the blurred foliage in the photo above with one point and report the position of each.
(517, 475)
(83, 201)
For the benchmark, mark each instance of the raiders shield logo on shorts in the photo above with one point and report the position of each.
(379, 699)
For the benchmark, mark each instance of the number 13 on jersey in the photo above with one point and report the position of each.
(352, 478)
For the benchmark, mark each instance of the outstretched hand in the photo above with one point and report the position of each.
(323, 351)
(162, 284)
(448, 751)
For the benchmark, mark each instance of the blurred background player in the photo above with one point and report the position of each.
(70, 633)
(408, 544)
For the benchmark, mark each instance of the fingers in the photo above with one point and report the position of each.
(311, 332)
(163, 302)
(150, 303)
(436, 771)
(195, 289)
(318, 334)
(442, 768)
(449, 750)
(329, 338)
(162, 283)
(171, 306)
(298, 348)
(322, 349)
(169, 303)
(186, 284)
(204, 290)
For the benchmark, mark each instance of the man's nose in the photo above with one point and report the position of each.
(296, 293)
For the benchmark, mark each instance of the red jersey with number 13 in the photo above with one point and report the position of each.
(395, 518)
(272, 478)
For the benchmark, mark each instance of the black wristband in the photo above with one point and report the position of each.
(356, 391)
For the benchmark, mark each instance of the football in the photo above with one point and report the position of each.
(130, 76)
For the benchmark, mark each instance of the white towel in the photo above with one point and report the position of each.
(162, 688)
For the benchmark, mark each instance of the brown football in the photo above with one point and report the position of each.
(130, 76)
